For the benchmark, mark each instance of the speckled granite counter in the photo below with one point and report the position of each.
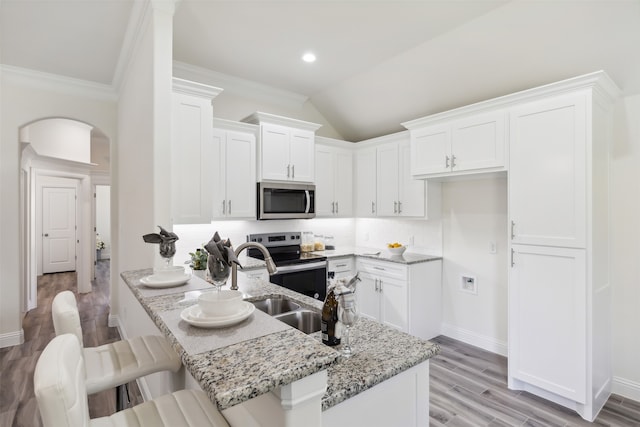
(241, 371)
(380, 255)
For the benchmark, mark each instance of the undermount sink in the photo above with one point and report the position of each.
(274, 305)
(306, 321)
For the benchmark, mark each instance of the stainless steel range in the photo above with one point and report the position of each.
(302, 272)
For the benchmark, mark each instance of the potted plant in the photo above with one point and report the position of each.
(199, 261)
(99, 246)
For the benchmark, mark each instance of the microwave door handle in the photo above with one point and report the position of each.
(306, 210)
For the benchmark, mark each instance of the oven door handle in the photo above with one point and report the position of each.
(306, 210)
(301, 267)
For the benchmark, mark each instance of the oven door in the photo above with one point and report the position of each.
(286, 201)
(307, 278)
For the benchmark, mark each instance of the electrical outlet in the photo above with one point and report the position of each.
(492, 247)
(468, 284)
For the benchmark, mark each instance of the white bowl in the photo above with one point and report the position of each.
(169, 272)
(220, 303)
(397, 251)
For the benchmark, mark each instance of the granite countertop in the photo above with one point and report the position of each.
(260, 363)
(380, 255)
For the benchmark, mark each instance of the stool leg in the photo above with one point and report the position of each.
(122, 397)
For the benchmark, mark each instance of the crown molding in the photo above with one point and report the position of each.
(238, 86)
(57, 83)
(232, 125)
(188, 87)
(259, 117)
(598, 81)
(137, 22)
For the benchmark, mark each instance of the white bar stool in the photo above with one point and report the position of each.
(115, 364)
(59, 385)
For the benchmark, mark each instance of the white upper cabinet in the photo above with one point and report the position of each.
(285, 148)
(456, 146)
(365, 182)
(334, 180)
(547, 174)
(191, 152)
(398, 194)
(234, 166)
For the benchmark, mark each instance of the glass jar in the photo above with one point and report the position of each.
(329, 243)
(306, 242)
(318, 242)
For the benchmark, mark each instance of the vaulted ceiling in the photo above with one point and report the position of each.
(379, 62)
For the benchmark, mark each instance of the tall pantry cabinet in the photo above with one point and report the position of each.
(559, 290)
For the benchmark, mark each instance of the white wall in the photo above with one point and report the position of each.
(24, 100)
(474, 215)
(625, 247)
(60, 138)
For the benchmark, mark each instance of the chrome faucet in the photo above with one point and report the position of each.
(271, 266)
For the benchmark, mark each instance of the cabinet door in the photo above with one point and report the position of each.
(301, 152)
(365, 188)
(217, 173)
(478, 142)
(431, 150)
(240, 176)
(368, 297)
(274, 153)
(547, 319)
(343, 186)
(393, 303)
(411, 192)
(387, 180)
(191, 154)
(324, 198)
(547, 172)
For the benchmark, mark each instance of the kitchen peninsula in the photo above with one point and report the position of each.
(265, 373)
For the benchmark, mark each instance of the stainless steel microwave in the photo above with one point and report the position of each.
(286, 200)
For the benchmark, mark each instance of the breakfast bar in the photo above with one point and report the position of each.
(264, 372)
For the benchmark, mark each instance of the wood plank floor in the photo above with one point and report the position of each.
(468, 385)
(18, 405)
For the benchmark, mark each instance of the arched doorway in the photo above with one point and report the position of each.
(61, 162)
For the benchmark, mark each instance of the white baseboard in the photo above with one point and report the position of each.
(626, 388)
(477, 340)
(114, 322)
(12, 338)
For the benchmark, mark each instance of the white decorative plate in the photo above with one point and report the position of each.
(155, 281)
(195, 317)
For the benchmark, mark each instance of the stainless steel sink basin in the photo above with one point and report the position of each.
(306, 321)
(274, 306)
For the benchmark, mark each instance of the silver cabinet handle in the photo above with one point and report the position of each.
(380, 285)
(336, 207)
(288, 171)
(373, 207)
(453, 161)
(46, 234)
(293, 171)
(512, 262)
(446, 162)
(229, 206)
(399, 207)
(333, 207)
(341, 265)
(395, 207)
(379, 268)
(224, 207)
(513, 233)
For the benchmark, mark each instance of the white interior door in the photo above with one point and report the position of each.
(58, 229)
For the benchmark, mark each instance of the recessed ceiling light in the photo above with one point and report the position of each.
(308, 57)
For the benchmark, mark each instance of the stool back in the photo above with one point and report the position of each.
(66, 318)
(59, 384)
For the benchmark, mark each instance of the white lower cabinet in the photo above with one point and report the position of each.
(405, 297)
(547, 309)
(341, 267)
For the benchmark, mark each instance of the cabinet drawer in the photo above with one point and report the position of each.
(341, 265)
(383, 269)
